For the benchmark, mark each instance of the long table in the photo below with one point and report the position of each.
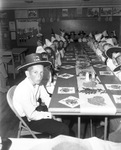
(58, 108)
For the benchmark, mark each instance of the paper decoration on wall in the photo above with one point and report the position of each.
(25, 26)
(3, 14)
(51, 19)
(105, 11)
(43, 20)
(93, 12)
(26, 29)
(116, 11)
(12, 26)
(64, 12)
(32, 13)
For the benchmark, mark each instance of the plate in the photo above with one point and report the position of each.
(97, 100)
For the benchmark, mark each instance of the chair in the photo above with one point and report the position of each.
(23, 127)
(7, 58)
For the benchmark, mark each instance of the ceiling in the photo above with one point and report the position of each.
(23, 4)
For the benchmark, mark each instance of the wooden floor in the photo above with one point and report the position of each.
(9, 122)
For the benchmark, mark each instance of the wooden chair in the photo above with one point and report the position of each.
(23, 127)
(7, 58)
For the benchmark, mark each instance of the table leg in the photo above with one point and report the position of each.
(79, 126)
(105, 128)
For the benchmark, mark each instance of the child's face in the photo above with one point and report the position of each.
(35, 74)
(116, 57)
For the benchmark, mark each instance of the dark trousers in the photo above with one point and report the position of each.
(49, 126)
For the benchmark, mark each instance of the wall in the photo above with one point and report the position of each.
(71, 19)
(86, 24)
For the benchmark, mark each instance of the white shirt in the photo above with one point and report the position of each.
(118, 74)
(110, 64)
(25, 100)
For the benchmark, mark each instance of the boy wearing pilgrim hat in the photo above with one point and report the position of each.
(113, 61)
(31, 100)
(114, 54)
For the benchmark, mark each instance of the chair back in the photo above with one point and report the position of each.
(10, 94)
(7, 57)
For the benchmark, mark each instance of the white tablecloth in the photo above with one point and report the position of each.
(64, 143)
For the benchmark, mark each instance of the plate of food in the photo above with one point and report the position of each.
(70, 101)
(90, 84)
(107, 73)
(99, 65)
(67, 66)
(65, 75)
(83, 65)
(97, 100)
(113, 86)
(117, 98)
(92, 91)
(66, 90)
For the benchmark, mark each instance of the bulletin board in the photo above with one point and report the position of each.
(27, 30)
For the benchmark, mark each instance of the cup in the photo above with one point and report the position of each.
(93, 76)
(87, 76)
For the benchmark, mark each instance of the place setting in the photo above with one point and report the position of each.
(65, 75)
(66, 90)
(113, 86)
(90, 84)
(96, 60)
(82, 64)
(70, 101)
(117, 98)
(106, 73)
(99, 65)
(67, 66)
(95, 103)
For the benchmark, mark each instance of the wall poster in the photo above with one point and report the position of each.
(93, 12)
(64, 12)
(105, 11)
(117, 11)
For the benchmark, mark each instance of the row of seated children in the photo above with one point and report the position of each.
(108, 49)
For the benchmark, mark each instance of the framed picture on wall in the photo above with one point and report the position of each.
(116, 11)
(106, 11)
(32, 14)
(93, 12)
(64, 12)
(12, 26)
(3, 14)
